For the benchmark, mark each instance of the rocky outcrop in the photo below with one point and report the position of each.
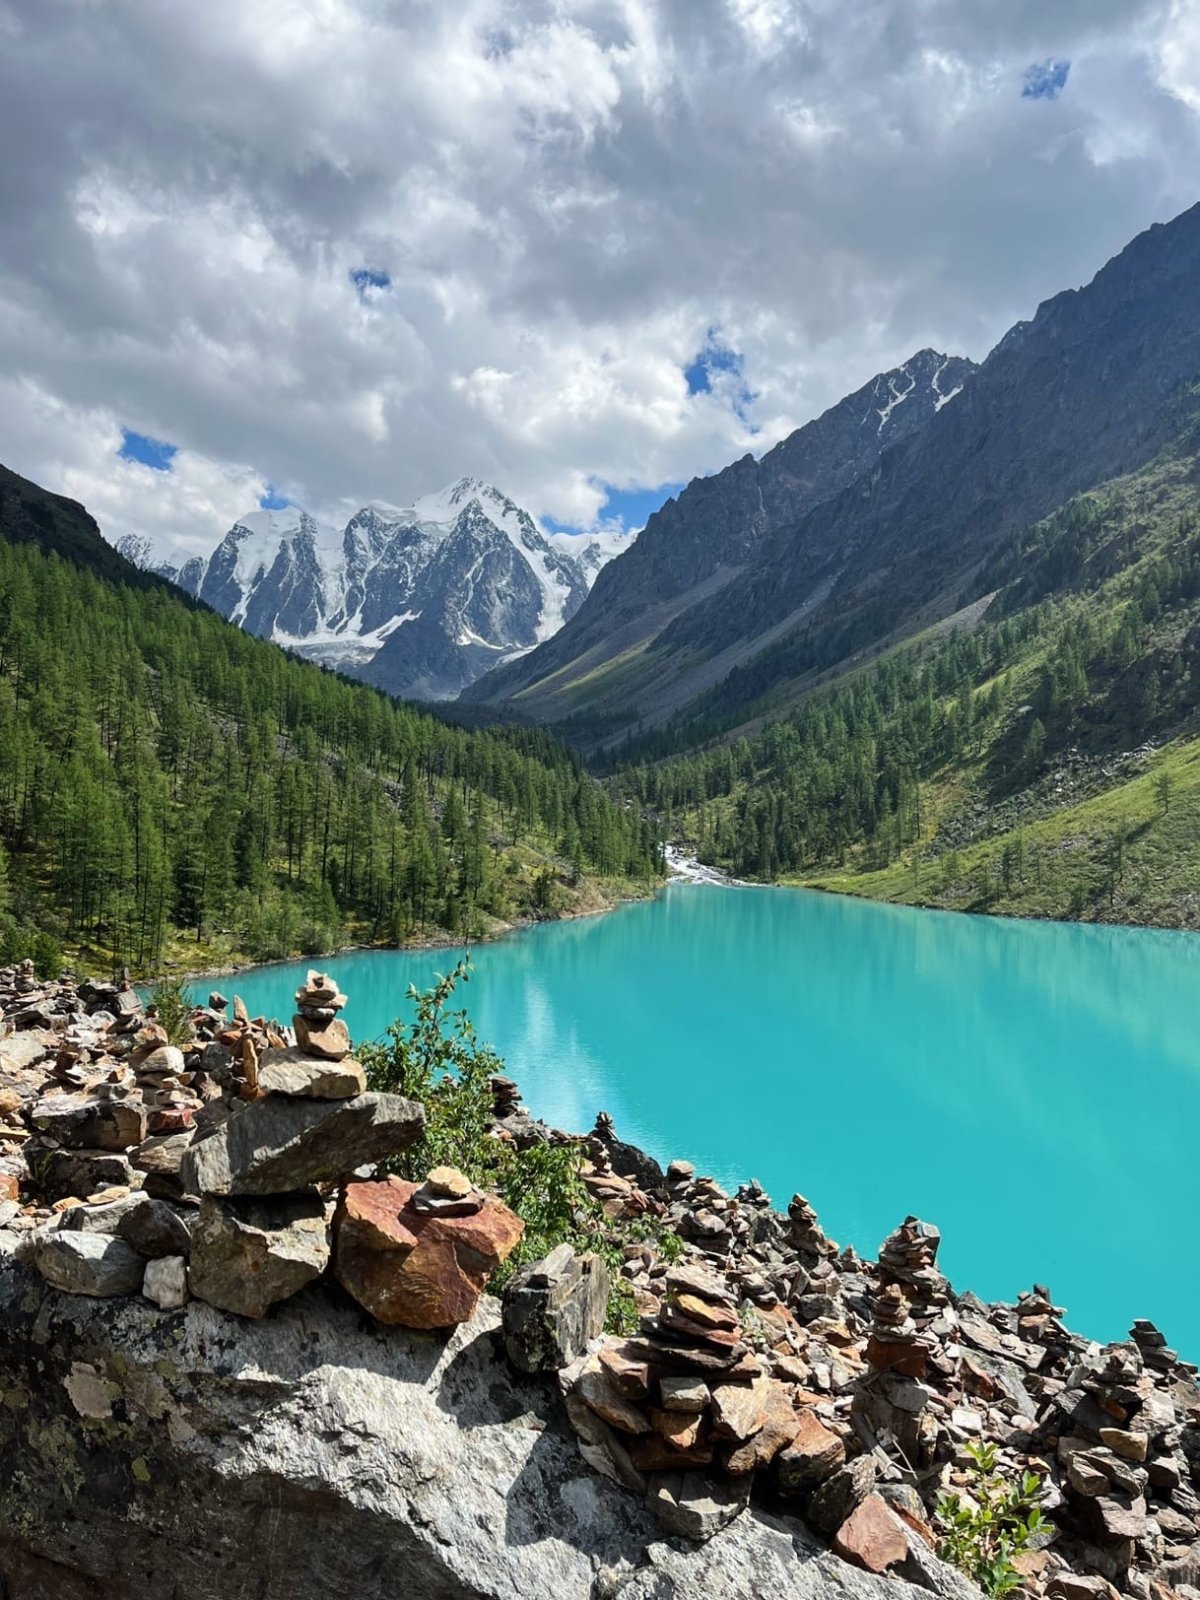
(200, 1457)
(766, 1382)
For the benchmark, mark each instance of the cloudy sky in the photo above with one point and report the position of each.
(342, 250)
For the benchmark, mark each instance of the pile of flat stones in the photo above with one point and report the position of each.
(236, 1169)
(771, 1364)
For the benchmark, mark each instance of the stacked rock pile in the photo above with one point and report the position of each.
(227, 1169)
(767, 1363)
(771, 1364)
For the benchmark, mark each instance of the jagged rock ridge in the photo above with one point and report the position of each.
(1088, 389)
(700, 541)
(418, 600)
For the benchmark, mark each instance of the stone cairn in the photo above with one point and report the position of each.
(765, 1363)
(236, 1170)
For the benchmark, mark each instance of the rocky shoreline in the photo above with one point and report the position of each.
(175, 1220)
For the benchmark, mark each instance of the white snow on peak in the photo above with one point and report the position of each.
(943, 399)
(896, 396)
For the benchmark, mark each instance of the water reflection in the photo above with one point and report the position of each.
(1031, 1087)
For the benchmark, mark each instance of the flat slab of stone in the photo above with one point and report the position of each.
(292, 1072)
(149, 1225)
(415, 1269)
(278, 1145)
(696, 1507)
(89, 1263)
(872, 1537)
(249, 1253)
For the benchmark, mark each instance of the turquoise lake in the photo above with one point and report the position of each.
(1032, 1088)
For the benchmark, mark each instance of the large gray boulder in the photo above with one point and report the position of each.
(312, 1455)
(277, 1145)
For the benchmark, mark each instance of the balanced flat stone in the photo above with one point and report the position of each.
(292, 1072)
(277, 1145)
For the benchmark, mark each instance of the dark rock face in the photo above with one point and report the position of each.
(718, 524)
(553, 1307)
(1088, 389)
(311, 1455)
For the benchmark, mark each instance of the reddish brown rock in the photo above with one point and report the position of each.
(10, 1188)
(415, 1269)
(813, 1453)
(599, 1391)
(681, 1429)
(652, 1454)
(872, 1537)
(329, 1040)
(778, 1429)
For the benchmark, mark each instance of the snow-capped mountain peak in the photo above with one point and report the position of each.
(420, 599)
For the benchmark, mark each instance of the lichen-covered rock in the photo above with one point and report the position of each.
(413, 1268)
(249, 1253)
(553, 1307)
(277, 1145)
(313, 1455)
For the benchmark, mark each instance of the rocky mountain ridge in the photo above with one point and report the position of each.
(716, 528)
(418, 600)
(1088, 389)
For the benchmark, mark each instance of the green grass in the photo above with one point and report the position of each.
(1117, 856)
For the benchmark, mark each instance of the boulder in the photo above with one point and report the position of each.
(314, 1454)
(149, 1225)
(160, 1158)
(872, 1537)
(89, 1263)
(413, 1268)
(249, 1253)
(290, 1072)
(553, 1307)
(277, 1145)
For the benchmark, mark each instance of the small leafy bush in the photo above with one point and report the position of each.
(437, 1060)
(172, 1002)
(994, 1521)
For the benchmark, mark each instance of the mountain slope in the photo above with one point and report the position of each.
(417, 600)
(697, 544)
(1082, 392)
(1041, 759)
(164, 773)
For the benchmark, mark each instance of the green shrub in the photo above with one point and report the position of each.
(437, 1060)
(172, 1003)
(993, 1522)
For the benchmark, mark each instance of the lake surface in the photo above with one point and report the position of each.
(1032, 1088)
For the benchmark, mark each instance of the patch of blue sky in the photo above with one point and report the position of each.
(272, 500)
(1045, 80)
(368, 279)
(718, 366)
(156, 453)
(624, 508)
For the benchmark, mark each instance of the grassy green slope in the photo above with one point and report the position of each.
(1042, 760)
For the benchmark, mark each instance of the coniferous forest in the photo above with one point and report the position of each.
(166, 777)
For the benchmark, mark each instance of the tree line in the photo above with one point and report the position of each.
(162, 771)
